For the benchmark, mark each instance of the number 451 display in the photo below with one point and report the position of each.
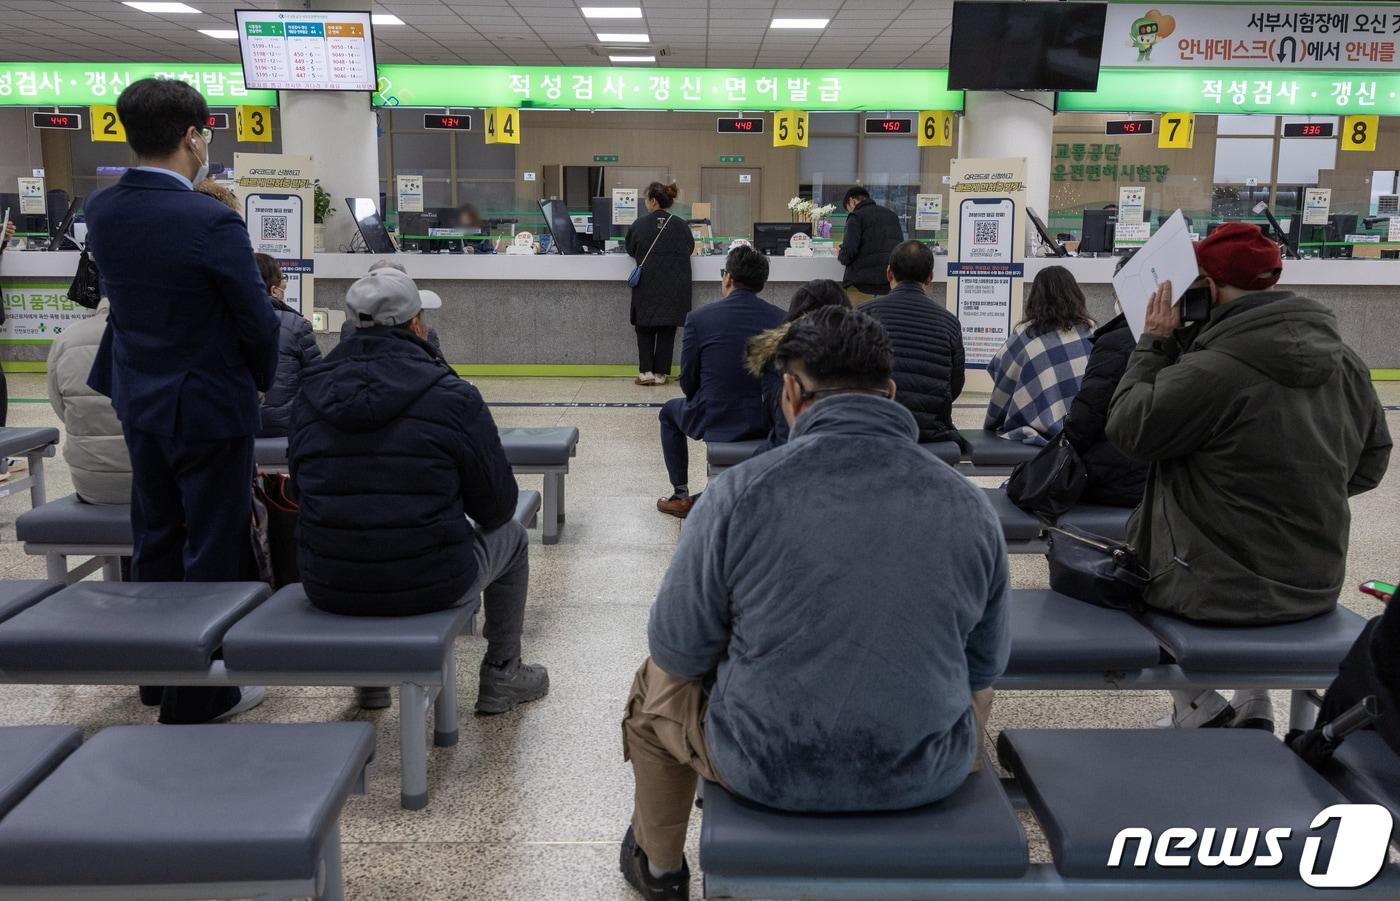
(502, 125)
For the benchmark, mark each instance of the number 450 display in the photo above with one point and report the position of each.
(502, 125)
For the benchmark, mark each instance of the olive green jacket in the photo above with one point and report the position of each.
(1257, 435)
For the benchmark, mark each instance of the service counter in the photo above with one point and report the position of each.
(546, 314)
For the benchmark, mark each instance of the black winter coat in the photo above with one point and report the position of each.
(662, 298)
(928, 357)
(296, 350)
(872, 231)
(390, 453)
(1114, 478)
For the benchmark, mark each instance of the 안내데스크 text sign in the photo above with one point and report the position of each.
(96, 84)
(565, 87)
(1240, 91)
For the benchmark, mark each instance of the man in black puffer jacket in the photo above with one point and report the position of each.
(390, 453)
(872, 231)
(927, 340)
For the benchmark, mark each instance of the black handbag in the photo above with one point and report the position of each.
(86, 288)
(1051, 482)
(1095, 569)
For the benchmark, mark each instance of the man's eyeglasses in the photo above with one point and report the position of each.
(723, 273)
(811, 393)
(207, 134)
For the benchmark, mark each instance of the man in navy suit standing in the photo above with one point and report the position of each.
(722, 401)
(191, 341)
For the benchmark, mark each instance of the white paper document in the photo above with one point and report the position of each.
(1168, 256)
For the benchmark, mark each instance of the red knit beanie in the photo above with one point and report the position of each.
(1240, 254)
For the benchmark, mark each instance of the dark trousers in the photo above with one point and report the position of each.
(503, 579)
(655, 347)
(4, 399)
(191, 508)
(673, 441)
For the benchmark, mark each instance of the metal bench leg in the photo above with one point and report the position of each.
(332, 875)
(445, 711)
(37, 497)
(561, 498)
(413, 746)
(553, 495)
(111, 569)
(56, 567)
(1302, 712)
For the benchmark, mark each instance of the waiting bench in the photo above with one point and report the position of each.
(1083, 787)
(989, 454)
(531, 451)
(1027, 534)
(151, 812)
(233, 633)
(33, 445)
(68, 527)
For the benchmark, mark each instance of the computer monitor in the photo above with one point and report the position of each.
(1339, 225)
(59, 231)
(371, 226)
(1055, 246)
(773, 238)
(413, 232)
(561, 226)
(601, 209)
(1096, 236)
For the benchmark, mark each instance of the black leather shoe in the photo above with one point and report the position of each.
(637, 872)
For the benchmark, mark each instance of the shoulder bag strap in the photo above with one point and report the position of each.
(654, 240)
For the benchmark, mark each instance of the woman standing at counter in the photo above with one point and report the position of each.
(661, 244)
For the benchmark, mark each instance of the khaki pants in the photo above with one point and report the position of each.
(858, 296)
(663, 735)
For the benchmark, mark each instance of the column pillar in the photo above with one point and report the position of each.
(339, 130)
(997, 125)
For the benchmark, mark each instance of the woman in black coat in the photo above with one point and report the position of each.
(661, 299)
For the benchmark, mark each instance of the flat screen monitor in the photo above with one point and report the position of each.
(371, 226)
(601, 210)
(1055, 246)
(297, 50)
(773, 238)
(561, 226)
(60, 229)
(1097, 234)
(1030, 46)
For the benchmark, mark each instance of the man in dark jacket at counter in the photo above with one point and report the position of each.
(391, 453)
(722, 401)
(811, 649)
(191, 339)
(1259, 432)
(872, 231)
(927, 342)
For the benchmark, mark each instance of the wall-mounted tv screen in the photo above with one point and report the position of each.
(295, 50)
(1026, 46)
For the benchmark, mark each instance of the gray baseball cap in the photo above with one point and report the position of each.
(387, 297)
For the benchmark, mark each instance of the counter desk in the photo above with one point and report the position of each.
(568, 315)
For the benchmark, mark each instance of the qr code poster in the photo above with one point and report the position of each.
(986, 248)
(274, 224)
(276, 195)
(986, 232)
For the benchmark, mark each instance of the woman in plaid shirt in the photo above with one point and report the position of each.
(1037, 373)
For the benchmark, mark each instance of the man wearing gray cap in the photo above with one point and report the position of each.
(406, 494)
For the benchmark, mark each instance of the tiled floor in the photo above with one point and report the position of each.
(531, 805)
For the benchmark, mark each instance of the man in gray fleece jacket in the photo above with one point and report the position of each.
(831, 609)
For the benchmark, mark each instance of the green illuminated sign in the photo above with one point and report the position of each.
(731, 158)
(85, 84)
(604, 157)
(1295, 92)
(550, 87)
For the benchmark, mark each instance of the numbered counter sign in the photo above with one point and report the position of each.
(502, 125)
(107, 127)
(1177, 131)
(936, 128)
(790, 128)
(1358, 132)
(255, 124)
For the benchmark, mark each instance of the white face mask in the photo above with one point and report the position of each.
(203, 171)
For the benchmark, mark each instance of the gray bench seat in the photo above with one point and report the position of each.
(33, 444)
(17, 596)
(990, 452)
(1367, 771)
(207, 811)
(1052, 633)
(1315, 645)
(270, 454)
(766, 853)
(1025, 533)
(28, 754)
(720, 455)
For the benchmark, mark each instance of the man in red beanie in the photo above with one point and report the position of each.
(1259, 430)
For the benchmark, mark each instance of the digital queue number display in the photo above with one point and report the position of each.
(889, 126)
(65, 121)
(446, 122)
(1129, 127)
(739, 125)
(1308, 129)
(218, 120)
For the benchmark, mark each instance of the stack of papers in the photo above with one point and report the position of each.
(1168, 256)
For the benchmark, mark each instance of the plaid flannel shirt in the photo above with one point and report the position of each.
(1034, 381)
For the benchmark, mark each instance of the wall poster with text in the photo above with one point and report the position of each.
(277, 194)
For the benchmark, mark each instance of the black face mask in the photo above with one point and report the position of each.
(1195, 305)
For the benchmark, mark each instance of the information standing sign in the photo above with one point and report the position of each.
(1393, 230)
(277, 194)
(410, 194)
(31, 196)
(928, 212)
(624, 206)
(986, 241)
(1317, 203)
(1131, 230)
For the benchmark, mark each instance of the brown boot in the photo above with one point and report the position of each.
(678, 507)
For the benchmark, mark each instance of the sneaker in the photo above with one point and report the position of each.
(637, 871)
(644, 379)
(503, 688)
(249, 697)
(676, 506)
(376, 698)
(16, 464)
(1208, 710)
(660, 379)
(1254, 713)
